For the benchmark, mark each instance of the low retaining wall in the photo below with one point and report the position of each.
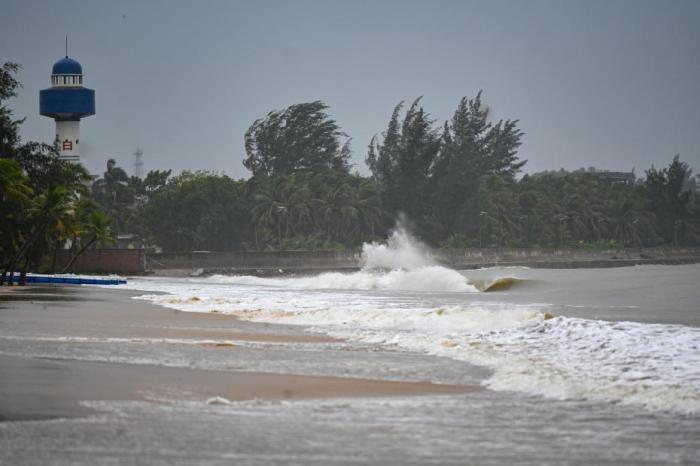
(254, 260)
(136, 261)
(120, 261)
(271, 262)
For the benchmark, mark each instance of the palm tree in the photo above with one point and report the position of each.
(98, 229)
(299, 208)
(46, 211)
(369, 203)
(339, 213)
(14, 197)
(628, 219)
(113, 193)
(65, 230)
(587, 207)
(13, 183)
(270, 208)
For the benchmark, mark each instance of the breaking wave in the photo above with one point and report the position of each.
(429, 278)
(533, 352)
(402, 251)
(529, 350)
(402, 264)
(498, 284)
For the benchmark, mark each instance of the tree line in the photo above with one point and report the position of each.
(460, 184)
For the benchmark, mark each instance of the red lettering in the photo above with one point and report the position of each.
(67, 145)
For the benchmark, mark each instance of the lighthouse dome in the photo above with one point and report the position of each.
(67, 66)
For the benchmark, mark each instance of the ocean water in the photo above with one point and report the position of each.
(589, 366)
(627, 336)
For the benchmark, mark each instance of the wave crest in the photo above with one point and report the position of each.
(402, 251)
(402, 264)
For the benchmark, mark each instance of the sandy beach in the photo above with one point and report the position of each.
(54, 387)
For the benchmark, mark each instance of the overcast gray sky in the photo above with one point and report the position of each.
(614, 84)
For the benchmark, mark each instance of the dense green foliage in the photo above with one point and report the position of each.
(457, 184)
(308, 211)
(198, 211)
(208, 211)
(435, 178)
(301, 138)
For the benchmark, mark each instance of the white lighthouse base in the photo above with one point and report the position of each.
(68, 140)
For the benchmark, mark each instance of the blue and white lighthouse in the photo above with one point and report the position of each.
(67, 101)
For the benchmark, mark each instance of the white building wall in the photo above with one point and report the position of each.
(68, 139)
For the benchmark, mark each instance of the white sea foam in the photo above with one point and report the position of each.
(426, 278)
(395, 303)
(633, 363)
(402, 264)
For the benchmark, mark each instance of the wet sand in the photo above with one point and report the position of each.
(106, 313)
(34, 388)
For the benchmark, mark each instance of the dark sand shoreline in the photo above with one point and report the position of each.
(34, 388)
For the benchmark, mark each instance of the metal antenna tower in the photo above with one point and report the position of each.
(138, 163)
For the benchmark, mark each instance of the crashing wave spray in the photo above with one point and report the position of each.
(402, 264)
(402, 251)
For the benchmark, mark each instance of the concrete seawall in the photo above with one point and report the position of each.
(308, 262)
(108, 260)
(135, 262)
(266, 262)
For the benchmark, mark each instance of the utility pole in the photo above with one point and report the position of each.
(138, 163)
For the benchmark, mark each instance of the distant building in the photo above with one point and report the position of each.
(617, 177)
(129, 241)
(613, 177)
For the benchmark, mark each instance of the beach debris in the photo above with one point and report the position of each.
(219, 344)
(225, 344)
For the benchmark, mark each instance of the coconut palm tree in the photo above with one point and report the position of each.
(629, 221)
(46, 210)
(271, 209)
(15, 195)
(369, 204)
(339, 212)
(97, 228)
(112, 192)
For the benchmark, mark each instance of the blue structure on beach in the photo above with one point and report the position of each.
(67, 101)
(70, 279)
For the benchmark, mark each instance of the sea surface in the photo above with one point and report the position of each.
(580, 366)
(628, 335)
